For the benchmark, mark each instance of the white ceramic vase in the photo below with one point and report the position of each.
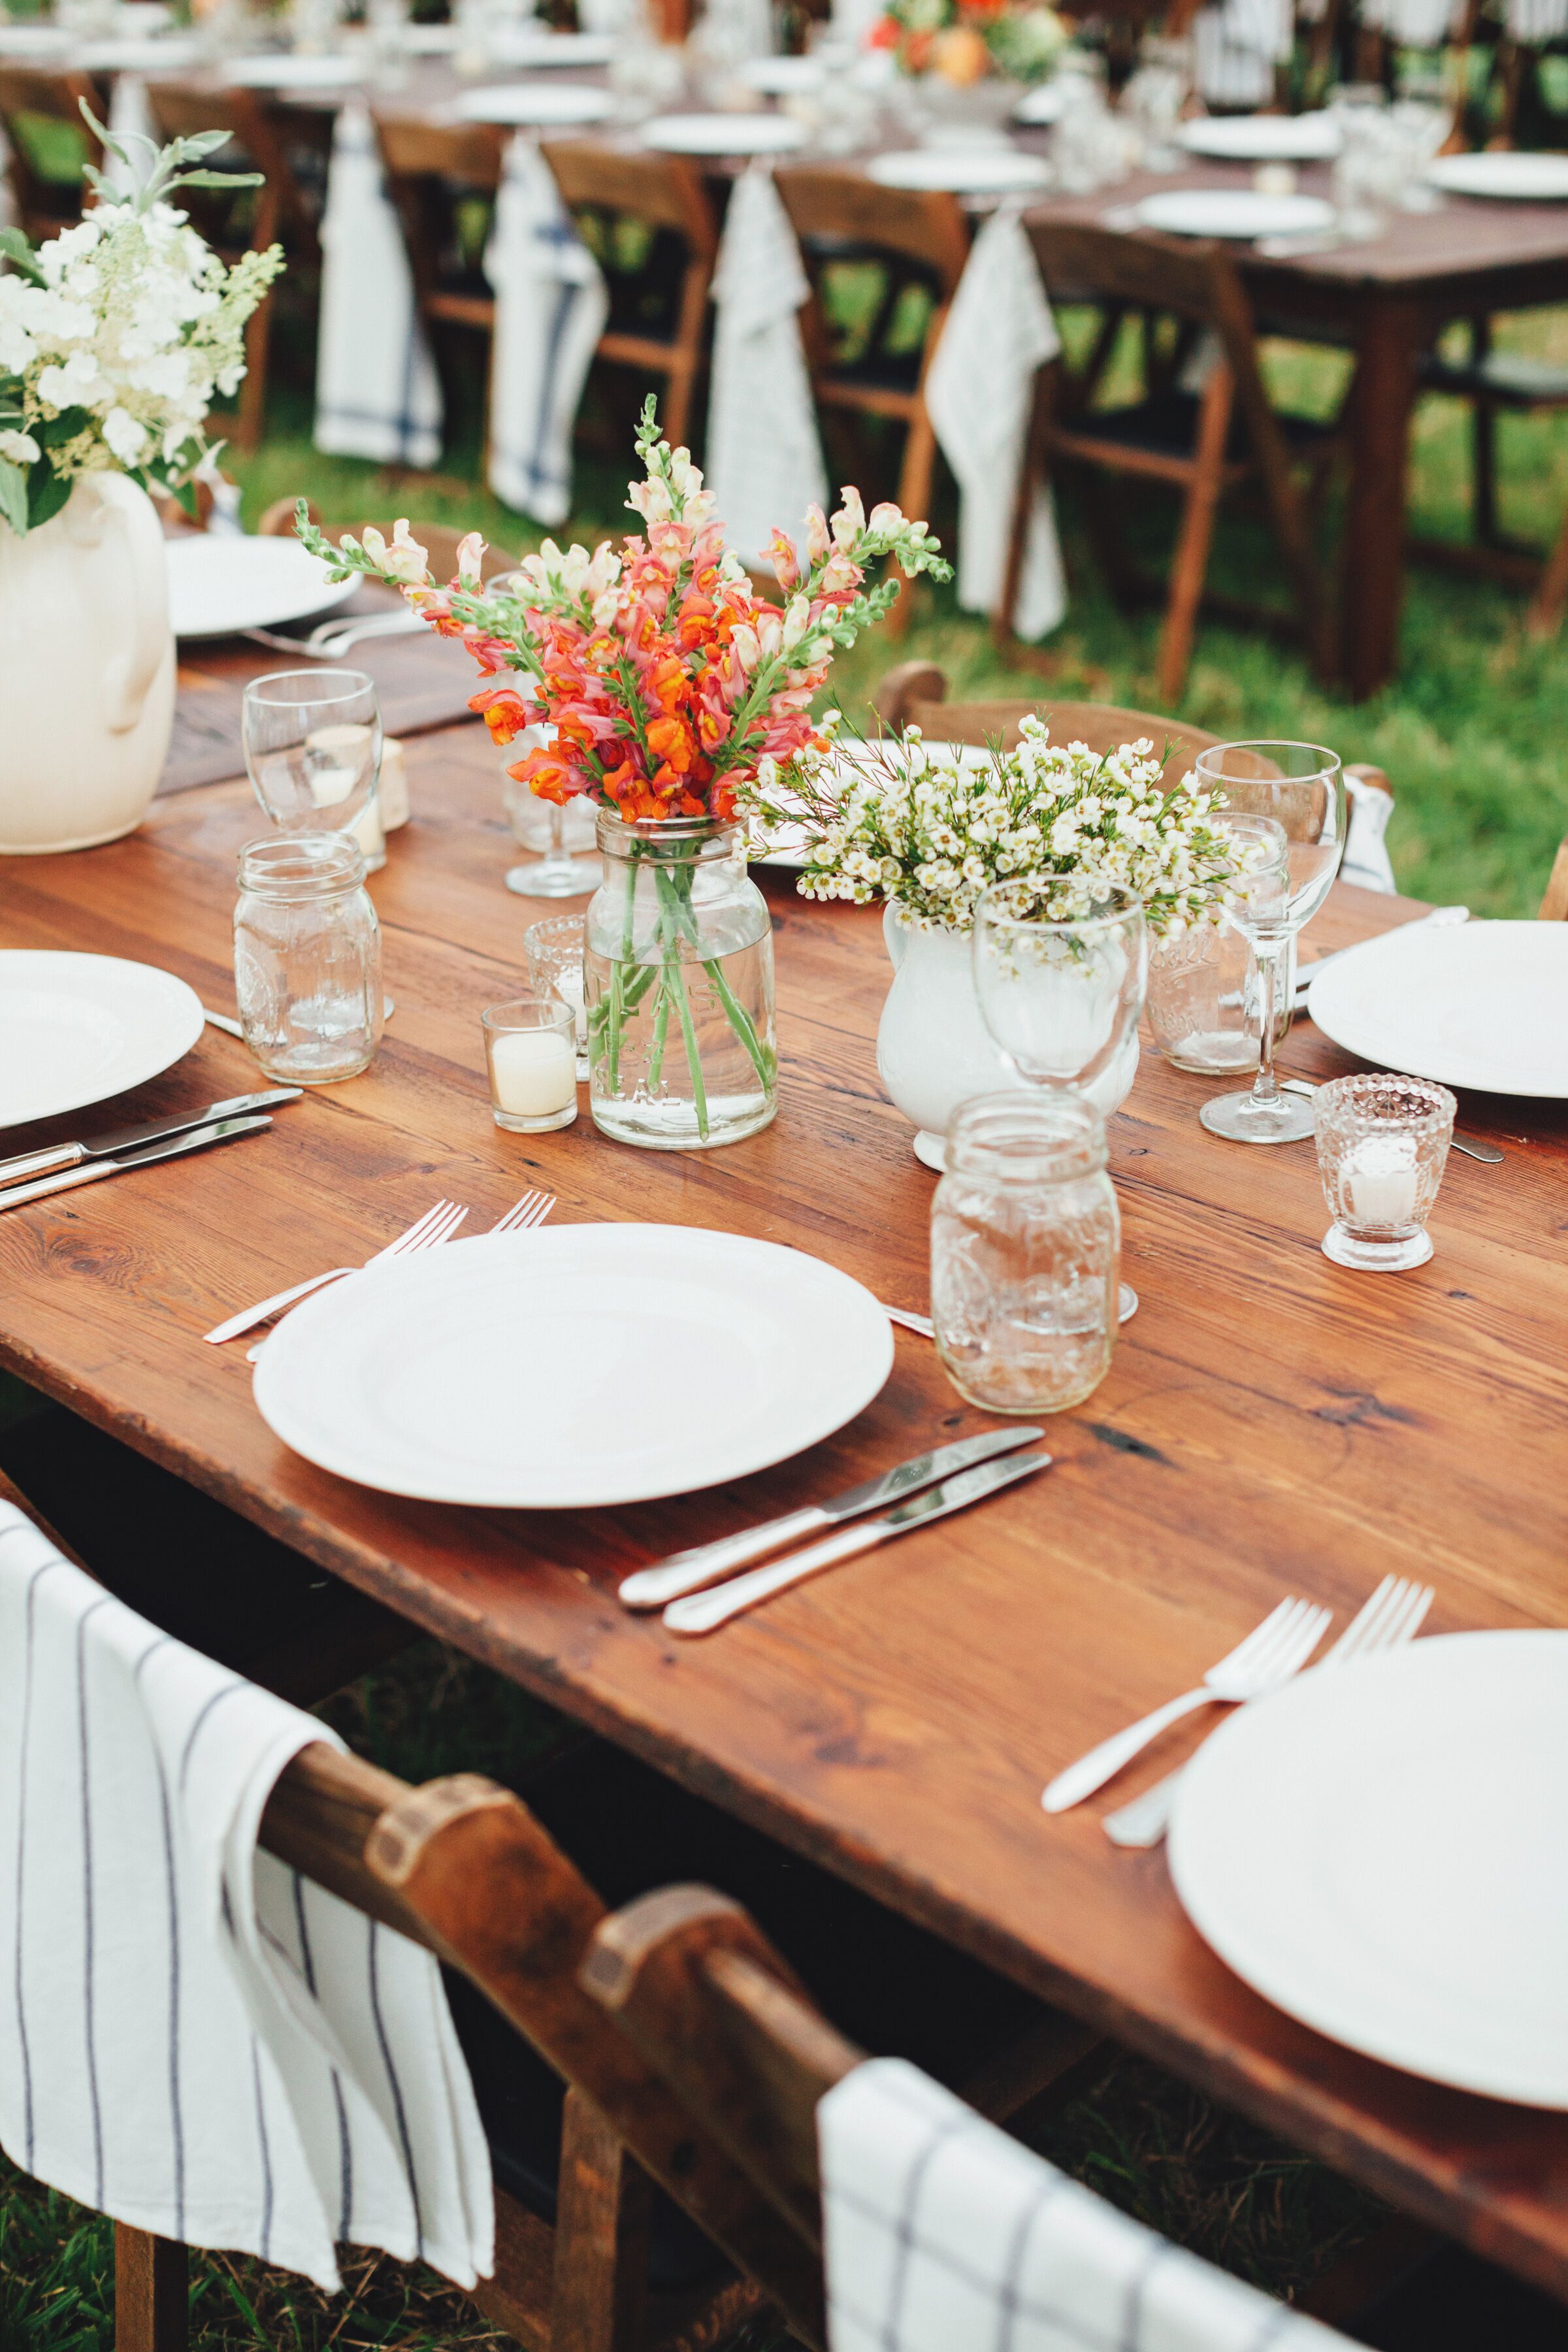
(87, 670)
(933, 1050)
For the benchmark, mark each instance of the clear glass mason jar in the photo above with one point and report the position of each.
(1206, 1000)
(678, 967)
(306, 958)
(1025, 1252)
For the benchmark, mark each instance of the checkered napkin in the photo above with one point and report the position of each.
(195, 2038)
(978, 390)
(764, 458)
(377, 391)
(944, 2235)
(1236, 46)
(551, 308)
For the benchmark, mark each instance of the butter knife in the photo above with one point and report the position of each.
(129, 1138)
(15, 1195)
(704, 1611)
(705, 1564)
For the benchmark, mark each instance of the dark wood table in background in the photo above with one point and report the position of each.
(1270, 1423)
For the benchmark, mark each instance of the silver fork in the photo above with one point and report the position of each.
(438, 1224)
(1389, 1618)
(1270, 1654)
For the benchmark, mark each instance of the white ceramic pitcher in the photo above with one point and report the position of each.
(933, 1050)
(87, 670)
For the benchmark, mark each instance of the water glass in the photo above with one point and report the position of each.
(1205, 999)
(557, 834)
(1026, 1245)
(312, 750)
(533, 1063)
(1383, 1144)
(554, 950)
(1061, 965)
(306, 958)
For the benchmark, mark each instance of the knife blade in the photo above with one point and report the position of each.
(151, 1131)
(89, 1173)
(703, 1610)
(709, 1563)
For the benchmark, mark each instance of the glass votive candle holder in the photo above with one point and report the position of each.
(1382, 1143)
(533, 1063)
(554, 950)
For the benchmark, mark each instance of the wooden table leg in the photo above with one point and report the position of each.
(151, 2293)
(1373, 563)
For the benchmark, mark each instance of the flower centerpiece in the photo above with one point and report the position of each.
(962, 41)
(657, 681)
(925, 829)
(114, 338)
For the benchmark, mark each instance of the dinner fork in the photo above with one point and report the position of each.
(438, 1224)
(1389, 1618)
(1270, 1654)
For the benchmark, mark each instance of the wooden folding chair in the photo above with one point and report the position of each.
(249, 219)
(1496, 384)
(436, 172)
(440, 540)
(47, 144)
(1203, 444)
(920, 242)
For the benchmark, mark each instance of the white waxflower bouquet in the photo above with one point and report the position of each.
(116, 335)
(931, 827)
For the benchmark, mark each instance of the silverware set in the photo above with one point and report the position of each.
(64, 1166)
(331, 640)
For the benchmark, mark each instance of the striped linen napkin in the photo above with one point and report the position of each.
(197, 2040)
(377, 391)
(1236, 46)
(942, 2232)
(551, 308)
(764, 456)
(1531, 22)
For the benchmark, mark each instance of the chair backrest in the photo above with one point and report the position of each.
(466, 154)
(665, 191)
(915, 695)
(48, 142)
(440, 540)
(925, 227)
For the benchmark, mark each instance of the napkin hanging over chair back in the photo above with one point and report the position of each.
(551, 308)
(1236, 46)
(764, 457)
(199, 2041)
(377, 391)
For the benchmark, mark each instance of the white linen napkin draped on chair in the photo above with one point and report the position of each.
(551, 308)
(196, 2039)
(1366, 860)
(377, 391)
(765, 455)
(942, 2232)
(1423, 23)
(129, 116)
(979, 389)
(1533, 21)
(1235, 49)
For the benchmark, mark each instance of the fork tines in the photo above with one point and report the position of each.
(532, 1209)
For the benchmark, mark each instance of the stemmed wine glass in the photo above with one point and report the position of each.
(1301, 789)
(1061, 969)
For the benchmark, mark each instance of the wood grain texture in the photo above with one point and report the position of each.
(1271, 1422)
(151, 2293)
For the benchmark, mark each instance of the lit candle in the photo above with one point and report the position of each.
(533, 1072)
(1379, 1183)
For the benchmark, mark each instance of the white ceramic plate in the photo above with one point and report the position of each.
(527, 44)
(520, 1370)
(286, 72)
(32, 41)
(217, 585)
(1263, 138)
(537, 101)
(160, 55)
(1377, 1849)
(783, 77)
(1233, 212)
(75, 1029)
(965, 171)
(1043, 105)
(1522, 178)
(1479, 1005)
(722, 134)
(430, 40)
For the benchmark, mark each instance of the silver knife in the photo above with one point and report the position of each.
(15, 1195)
(705, 1564)
(151, 1131)
(703, 1610)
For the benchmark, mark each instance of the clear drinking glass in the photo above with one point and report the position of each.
(306, 958)
(1025, 1252)
(1300, 788)
(1383, 1144)
(560, 834)
(533, 1063)
(1061, 969)
(1203, 1004)
(312, 750)
(554, 952)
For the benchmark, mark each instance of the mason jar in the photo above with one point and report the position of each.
(306, 958)
(1205, 1000)
(678, 968)
(1026, 1252)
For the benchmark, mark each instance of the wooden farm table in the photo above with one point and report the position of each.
(1271, 1425)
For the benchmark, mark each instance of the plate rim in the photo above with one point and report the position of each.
(332, 592)
(1328, 981)
(1190, 137)
(471, 105)
(1024, 169)
(1317, 212)
(789, 134)
(75, 1101)
(1325, 2015)
(1441, 173)
(271, 1367)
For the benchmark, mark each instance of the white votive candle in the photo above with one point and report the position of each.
(1380, 1184)
(533, 1063)
(391, 791)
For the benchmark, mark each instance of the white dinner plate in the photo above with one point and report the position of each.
(430, 40)
(574, 1366)
(723, 134)
(284, 72)
(1043, 105)
(542, 102)
(1263, 138)
(75, 1029)
(1377, 1849)
(531, 45)
(32, 42)
(963, 170)
(1233, 212)
(158, 54)
(1479, 1005)
(1522, 178)
(219, 585)
(783, 77)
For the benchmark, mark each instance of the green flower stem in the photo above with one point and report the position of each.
(735, 1013)
(674, 895)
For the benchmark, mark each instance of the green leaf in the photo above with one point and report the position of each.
(13, 497)
(217, 179)
(51, 431)
(17, 250)
(47, 492)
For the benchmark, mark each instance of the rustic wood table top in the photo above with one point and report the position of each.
(1271, 1423)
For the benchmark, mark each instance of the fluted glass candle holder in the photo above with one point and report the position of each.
(1383, 1144)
